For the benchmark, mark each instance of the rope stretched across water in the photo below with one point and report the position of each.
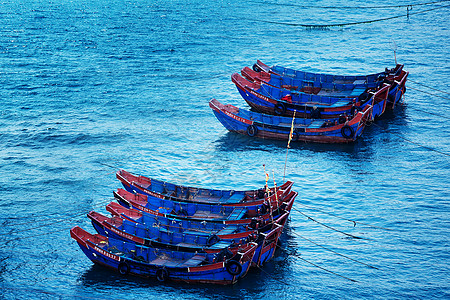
(311, 263)
(351, 7)
(327, 226)
(425, 92)
(342, 218)
(324, 26)
(337, 253)
(427, 86)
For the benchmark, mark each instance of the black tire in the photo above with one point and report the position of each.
(315, 113)
(256, 68)
(123, 268)
(212, 239)
(295, 135)
(280, 109)
(253, 223)
(355, 110)
(347, 132)
(252, 130)
(140, 258)
(265, 208)
(162, 275)
(233, 267)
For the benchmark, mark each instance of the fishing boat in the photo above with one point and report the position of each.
(160, 236)
(259, 125)
(165, 190)
(326, 84)
(293, 74)
(118, 228)
(194, 210)
(163, 264)
(269, 99)
(195, 233)
(211, 230)
(330, 89)
(215, 213)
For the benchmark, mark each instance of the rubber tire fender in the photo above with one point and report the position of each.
(162, 274)
(212, 239)
(347, 132)
(315, 113)
(233, 267)
(252, 130)
(279, 109)
(295, 135)
(123, 268)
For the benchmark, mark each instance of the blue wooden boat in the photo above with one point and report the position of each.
(277, 127)
(210, 229)
(290, 74)
(326, 84)
(269, 99)
(330, 89)
(165, 190)
(115, 227)
(214, 213)
(163, 264)
(160, 236)
(264, 232)
(194, 210)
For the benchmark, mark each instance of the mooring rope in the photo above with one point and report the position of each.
(315, 265)
(108, 165)
(337, 253)
(342, 218)
(412, 142)
(350, 7)
(425, 92)
(98, 205)
(32, 236)
(327, 226)
(427, 86)
(318, 26)
(428, 112)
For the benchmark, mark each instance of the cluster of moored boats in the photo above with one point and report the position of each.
(196, 235)
(320, 108)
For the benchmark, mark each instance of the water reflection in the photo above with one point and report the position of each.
(99, 278)
(234, 142)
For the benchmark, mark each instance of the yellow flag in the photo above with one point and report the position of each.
(292, 130)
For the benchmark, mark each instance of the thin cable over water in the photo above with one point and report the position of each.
(337, 253)
(412, 142)
(313, 264)
(427, 86)
(324, 26)
(446, 98)
(327, 226)
(306, 6)
(342, 218)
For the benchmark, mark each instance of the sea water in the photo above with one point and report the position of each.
(88, 87)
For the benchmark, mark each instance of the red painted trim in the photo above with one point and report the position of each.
(219, 107)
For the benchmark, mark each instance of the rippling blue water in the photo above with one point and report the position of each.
(86, 84)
